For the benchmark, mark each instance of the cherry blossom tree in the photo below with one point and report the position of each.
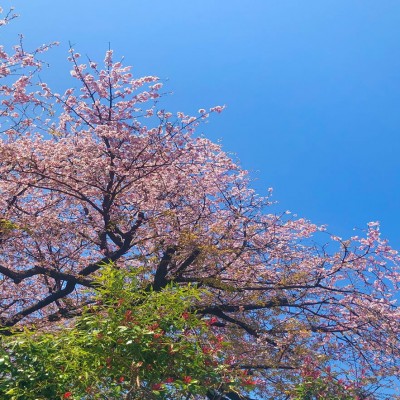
(101, 174)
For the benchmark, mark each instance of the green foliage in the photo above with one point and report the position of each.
(326, 388)
(7, 226)
(131, 343)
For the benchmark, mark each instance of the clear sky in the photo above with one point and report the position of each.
(312, 87)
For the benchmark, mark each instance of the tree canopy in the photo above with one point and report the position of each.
(102, 176)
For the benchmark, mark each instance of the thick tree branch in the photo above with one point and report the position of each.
(192, 257)
(160, 280)
(19, 276)
(219, 313)
(8, 322)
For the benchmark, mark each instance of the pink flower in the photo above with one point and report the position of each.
(187, 379)
(217, 109)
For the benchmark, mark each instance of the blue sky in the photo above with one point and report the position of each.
(312, 87)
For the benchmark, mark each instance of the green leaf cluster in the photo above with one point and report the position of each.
(325, 388)
(130, 343)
